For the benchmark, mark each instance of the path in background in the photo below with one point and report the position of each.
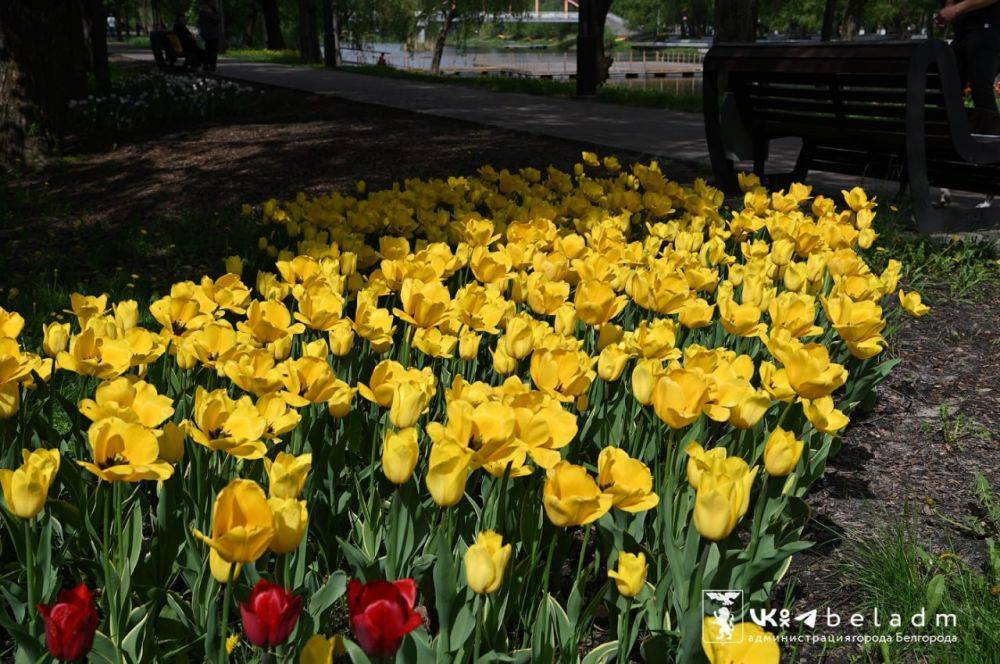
(662, 133)
(666, 135)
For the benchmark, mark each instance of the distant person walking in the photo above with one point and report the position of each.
(977, 49)
(209, 21)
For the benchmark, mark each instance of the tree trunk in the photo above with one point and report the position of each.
(331, 38)
(852, 18)
(97, 29)
(829, 13)
(442, 37)
(308, 31)
(735, 21)
(38, 72)
(592, 65)
(272, 25)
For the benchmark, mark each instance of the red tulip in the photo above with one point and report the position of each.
(270, 614)
(382, 614)
(70, 623)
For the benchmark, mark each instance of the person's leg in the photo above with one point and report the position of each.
(211, 54)
(984, 50)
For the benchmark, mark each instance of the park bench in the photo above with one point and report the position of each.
(889, 110)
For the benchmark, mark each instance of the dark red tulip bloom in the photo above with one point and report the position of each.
(382, 614)
(70, 623)
(269, 616)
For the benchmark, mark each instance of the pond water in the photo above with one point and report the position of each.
(670, 70)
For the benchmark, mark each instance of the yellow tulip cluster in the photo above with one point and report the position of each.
(536, 291)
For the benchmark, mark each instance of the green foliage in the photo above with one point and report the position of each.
(892, 573)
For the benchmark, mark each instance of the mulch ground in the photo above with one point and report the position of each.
(899, 462)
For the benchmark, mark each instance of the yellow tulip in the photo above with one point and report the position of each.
(782, 452)
(701, 461)
(748, 644)
(322, 650)
(291, 518)
(242, 523)
(571, 496)
(823, 415)
(172, 443)
(286, 475)
(341, 338)
(912, 304)
(55, 338)
(409, 401)
(129, 400)
(630, 577)
(696, 313)
(468, 344)
(627, 480)
(424, 304)
(400, 453)
(611, 362)
(722, 498)
(485, 562)
(220, 569)
(447, 471)
(26, 489)
(796, 313)
(808, 367)
(125, 452)
(645, 375)
(596, 302)
(679, 397)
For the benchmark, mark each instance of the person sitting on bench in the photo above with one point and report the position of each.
(192, 52)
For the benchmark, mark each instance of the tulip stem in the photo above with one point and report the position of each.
(583, 551)
(29, 554)
(224, 626)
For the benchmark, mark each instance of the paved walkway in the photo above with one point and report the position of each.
(657, 132)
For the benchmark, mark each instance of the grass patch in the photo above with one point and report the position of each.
(608, 93)
(966, 267)
(281, 57)
(895, 575)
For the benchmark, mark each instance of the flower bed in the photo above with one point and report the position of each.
(154, 98)
(518, 416)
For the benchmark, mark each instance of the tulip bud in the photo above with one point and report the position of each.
(55, 338)
(611, 363)
(644, 377)
(291, 518)
(565, 320)
(468, 345)
(234, 265)
(485, 562)
(630, 577)
(270, 614)
(70, 623)
(172, 443)
(503, 363)
(447, 472)
(400, 453)
(381, 614)
(26, 489)
(341, 337)
(408, 401)
(782, 452)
